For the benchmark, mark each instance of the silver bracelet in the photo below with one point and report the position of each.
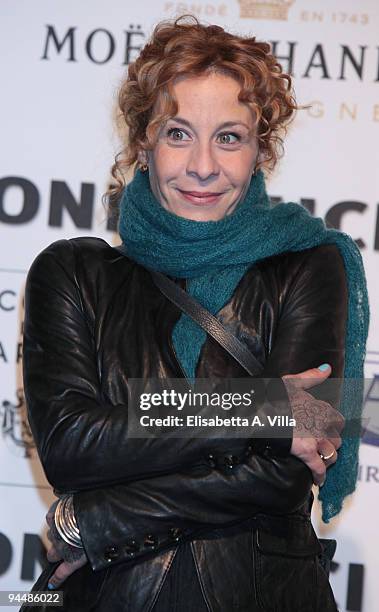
(65, 522)
(69, 518)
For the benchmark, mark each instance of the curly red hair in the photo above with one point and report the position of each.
(185, 47)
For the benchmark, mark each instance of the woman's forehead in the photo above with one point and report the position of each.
(208, 97)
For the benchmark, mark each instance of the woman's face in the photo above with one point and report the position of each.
(204, 158)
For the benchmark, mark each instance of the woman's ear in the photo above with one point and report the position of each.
(143, 160)
(142, 157)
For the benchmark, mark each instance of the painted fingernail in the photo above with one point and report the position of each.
(323, 367)
(50, 586)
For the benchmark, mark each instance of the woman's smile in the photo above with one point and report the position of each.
(201, 198)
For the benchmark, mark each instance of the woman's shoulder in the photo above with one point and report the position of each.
(318, 259)
(79, 257)
(90, 247)
(64, 247)
(320, 268)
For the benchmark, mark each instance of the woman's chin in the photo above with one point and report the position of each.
(199, 214)
(197, 211)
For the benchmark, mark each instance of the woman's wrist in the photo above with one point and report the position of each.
(65, 522)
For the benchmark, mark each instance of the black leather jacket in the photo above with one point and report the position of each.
(93, 320)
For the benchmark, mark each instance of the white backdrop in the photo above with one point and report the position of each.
(61, 63)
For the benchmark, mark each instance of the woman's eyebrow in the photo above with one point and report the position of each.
(222, 125)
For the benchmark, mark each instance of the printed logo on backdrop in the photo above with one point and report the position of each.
(101, 45)
(15, 429)
(98, 46)
(371, 401)
(15, 432)
(326, 60)
(64, 203)
(354, 588)
(261, 9)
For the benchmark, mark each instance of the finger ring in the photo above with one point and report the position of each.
(326, 457)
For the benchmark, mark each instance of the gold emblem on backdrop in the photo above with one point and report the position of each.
(265, 9)
(200, 9)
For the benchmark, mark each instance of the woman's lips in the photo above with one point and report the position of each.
(200, 197)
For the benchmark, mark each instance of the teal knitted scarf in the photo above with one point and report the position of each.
(214, 255)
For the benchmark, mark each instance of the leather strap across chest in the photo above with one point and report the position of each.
(208, 322)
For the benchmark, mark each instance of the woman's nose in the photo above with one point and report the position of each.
(202, 161)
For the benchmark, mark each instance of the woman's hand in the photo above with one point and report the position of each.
(318, 424)
(72, 558)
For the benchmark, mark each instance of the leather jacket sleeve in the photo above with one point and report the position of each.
(311, 331)
(312, 324)
(152, 515)
(63, 392)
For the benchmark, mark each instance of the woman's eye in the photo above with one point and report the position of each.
(177, 134)
(229, 138)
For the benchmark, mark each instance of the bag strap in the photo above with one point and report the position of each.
(208, 322)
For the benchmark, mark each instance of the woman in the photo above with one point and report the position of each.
(216, 524)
